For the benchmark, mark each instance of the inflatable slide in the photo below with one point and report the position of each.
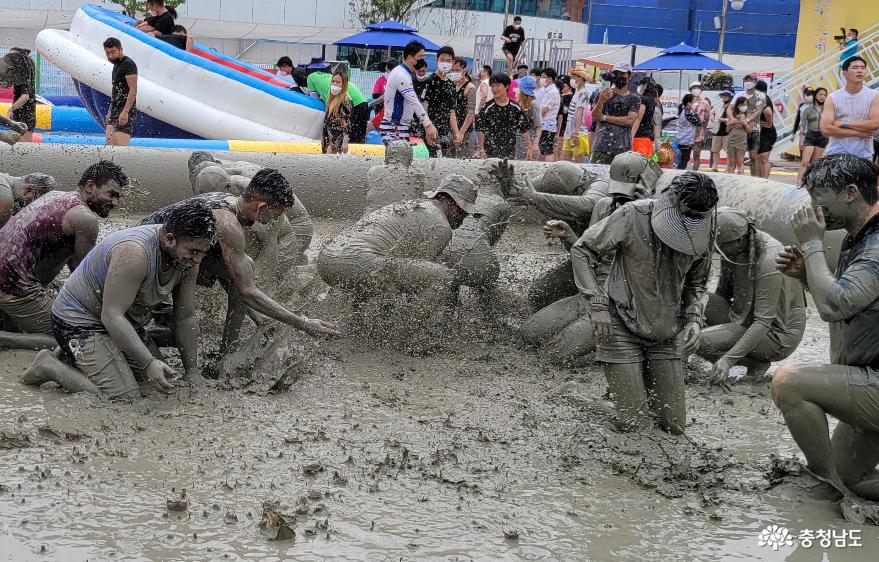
(199, 94)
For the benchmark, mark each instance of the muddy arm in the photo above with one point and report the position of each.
(185, 322)
(768, 291)
(840, 299)
(695, 295)
(606, 236)
(129, 266)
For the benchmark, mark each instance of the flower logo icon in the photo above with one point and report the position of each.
(775, 536)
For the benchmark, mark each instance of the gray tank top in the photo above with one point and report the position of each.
(81, 298)
(853, 107)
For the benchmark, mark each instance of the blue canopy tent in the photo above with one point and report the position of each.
(389, 33)
(681, 57)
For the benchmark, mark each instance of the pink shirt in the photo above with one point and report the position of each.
(379, 86)
(513, 90)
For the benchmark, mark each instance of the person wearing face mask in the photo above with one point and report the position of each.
(739, 128)
(702, 108)
(615, 111)
(814, 142)
(464, 112)
(644, 131)
(402, 104)
(649, 312)
(576, 143)
(719, 129)
(513, 38)
(100, 313)
(266, 198)
(756, 104)
(337, 119)
(689, 123)
(439, 98)
(550, 104)
(843, 193)
(757, 316)
(122, 115)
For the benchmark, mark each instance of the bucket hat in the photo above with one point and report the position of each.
(693, 233)
(459, 188)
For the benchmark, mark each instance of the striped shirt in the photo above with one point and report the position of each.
(401, 104)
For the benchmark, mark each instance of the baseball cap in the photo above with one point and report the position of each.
(726, 93)
(622, 67)
(695, 84)
(459, 188)
(732, 224)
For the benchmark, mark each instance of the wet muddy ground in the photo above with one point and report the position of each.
(476, 451)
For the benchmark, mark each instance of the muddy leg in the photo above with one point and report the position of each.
(235, 311)
(546, 323)
(855, 454)
(555, 284)
(47, 367)
(714, 341)
(575, 341)
(664, 379)
(626, 384)
(11, 340)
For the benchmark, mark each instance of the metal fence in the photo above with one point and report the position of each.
(52, 81)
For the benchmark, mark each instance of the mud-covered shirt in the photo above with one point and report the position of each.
(34, 240)
(854, 327)
(122, 68)
(440, 95)
(501, 124)
(27, 113)
(616, 139)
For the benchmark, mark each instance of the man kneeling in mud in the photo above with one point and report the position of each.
(659, 275)
(57, 229)
(17, 193)
(265, 199)
(99, 316)
(844, 195)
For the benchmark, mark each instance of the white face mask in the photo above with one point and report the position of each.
(809, 99)
(696, 91)
(335, 90)
(574, 84)
(422, 78)
(444, 67)
(455, 76)
(749, 85)
(640, 90)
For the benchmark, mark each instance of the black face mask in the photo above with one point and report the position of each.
(620, 82)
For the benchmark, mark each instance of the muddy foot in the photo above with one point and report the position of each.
(37, 374)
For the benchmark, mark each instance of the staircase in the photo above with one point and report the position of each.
(822, 71)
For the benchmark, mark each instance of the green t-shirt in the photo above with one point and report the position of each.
(320, 82)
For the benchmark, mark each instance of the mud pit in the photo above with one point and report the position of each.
(477, 450)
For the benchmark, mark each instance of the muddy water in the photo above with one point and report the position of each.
(477, 452)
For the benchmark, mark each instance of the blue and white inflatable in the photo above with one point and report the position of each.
(198, 94)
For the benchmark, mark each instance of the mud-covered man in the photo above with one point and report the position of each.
(14, 69)
(844, 195)
(57, 229)
(658, 277)
(396, 249)
(394, 181)
(757, 315)
(99, 316)
(266, 198)
(563, 330)
(17, 193)
(122, 115)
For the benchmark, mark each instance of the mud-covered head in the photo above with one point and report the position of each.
(560, 178)
(843, 186)
(101, 186)
(16, 67)
(398, 153)
(735, 230)
(187, 234)
(632, 175)
(199, 157)
(267, 197)
(456, 196)
(683, 215)
(30, 187)
(212, 178)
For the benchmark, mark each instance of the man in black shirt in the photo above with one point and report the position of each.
(499, 122)
(21, 71)
(160, 21)
(439, 97)
(513, 38)
(122, 115)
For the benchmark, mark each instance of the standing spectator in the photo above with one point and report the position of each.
(814, 142)
(421, 78)
(806, 100)
(720, 133)
(768, 134)
(644, 133)
(688, 125)
(122, 117)
(702, 108)
(160, 21)
(550, 103)
(527, 148)
(483, 92)
(536, 74)
(285, 69)
(576, 144)
(337, 121)
(24, 94)
(513, 38)
(849, 47)
(851, 114)
(401, 102)
(464, 112)
(521, 71)
(756, 104)
(615, 111)
(378, 89)
(563, 83)
(439, 97)
(739, 128)
(658, 117)
(499, 122)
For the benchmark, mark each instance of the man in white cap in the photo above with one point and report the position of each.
(757, 315)
(650, 310)
(397, 247)
(615, 111)
(565, 192)
(563, 329)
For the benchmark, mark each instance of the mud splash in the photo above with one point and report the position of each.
(472, 450)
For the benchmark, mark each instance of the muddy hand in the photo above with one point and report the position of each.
(556, 229)
(601, 324)
(504, 173)
(809, 224)
(690, 338)
(720, 373)
(159, 373)
(790, 262)
(318, 327)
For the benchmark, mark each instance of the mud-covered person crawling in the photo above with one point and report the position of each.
(99, 315)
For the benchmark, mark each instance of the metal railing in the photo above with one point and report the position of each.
(51, 80)
(483, 52)
(548, 53)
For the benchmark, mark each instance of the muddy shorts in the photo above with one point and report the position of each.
(100, 359)
(625, 347)
(31, 313)
(863, 393)
(816, 139)
(126, 129)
